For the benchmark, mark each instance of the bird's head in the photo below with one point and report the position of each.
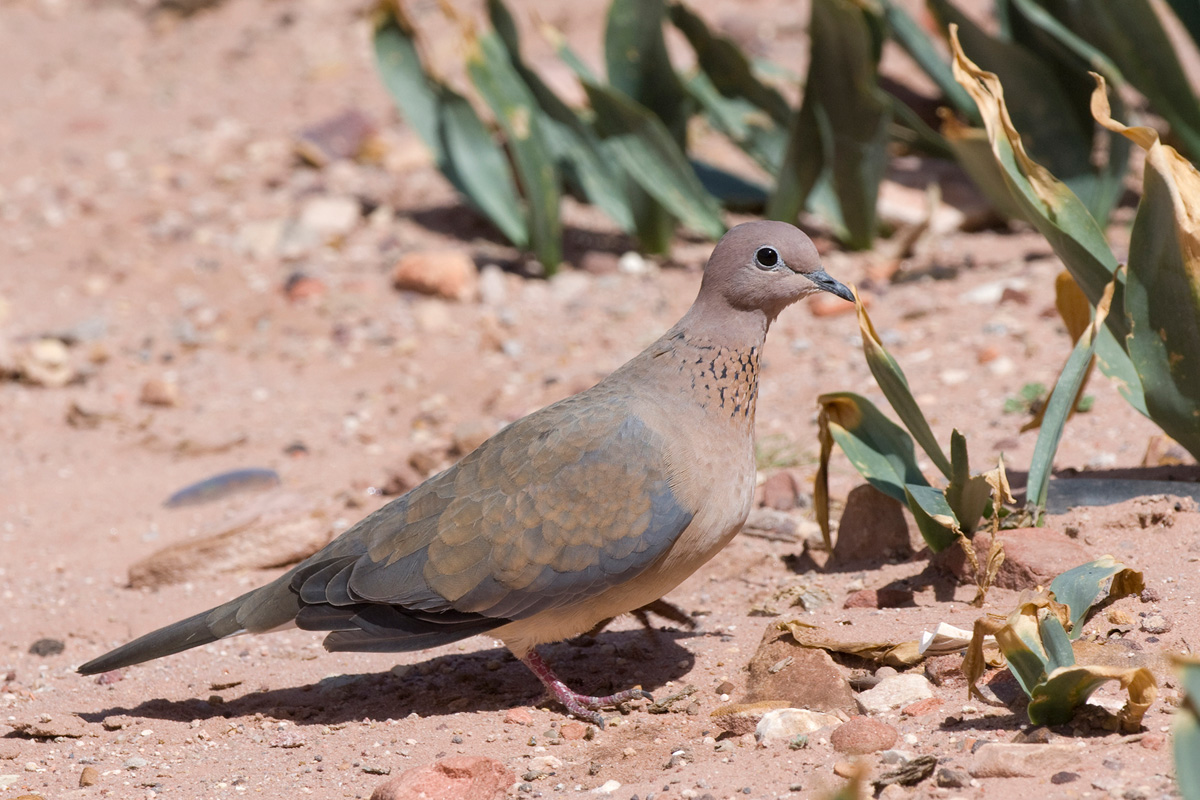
(766, 266)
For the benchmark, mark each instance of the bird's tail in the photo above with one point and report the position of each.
(256, 611)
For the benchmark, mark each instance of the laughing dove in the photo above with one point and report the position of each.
(591, 507)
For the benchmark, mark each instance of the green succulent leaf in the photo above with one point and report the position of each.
(1080, 588)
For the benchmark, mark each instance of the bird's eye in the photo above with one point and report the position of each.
(766, 257)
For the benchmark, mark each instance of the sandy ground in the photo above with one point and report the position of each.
(152, 210)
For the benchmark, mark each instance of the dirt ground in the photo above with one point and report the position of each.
(152, 210)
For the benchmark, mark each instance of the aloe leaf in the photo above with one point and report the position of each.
(1162, 298)
(1047, 203)
(935, 519)
(575, 146)
(750, 112)
(1188, 13)
(1055, 700)
(461, 144)
(520, 117)
(1185, 731)
(1079, 588)
(1060, 135)
(967, 495)
(743, 122)
(894, 386)
(727, 66)
(837, 148)
(917, 43)
(1130, 33)
(644, 148)
(635, 55)
(1059, 406)
(731, 191)
(877, 447)
(973, 152)
(1056, 643)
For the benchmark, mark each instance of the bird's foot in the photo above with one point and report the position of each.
(581, 705)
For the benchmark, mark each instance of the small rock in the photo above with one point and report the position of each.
(781, 491)
(47, 363)
(47, 647)
(892, 757)
(461, 778)
(995, 760)
(1153, 741)
(493, 286)
(518, 716)
(1032, 557)
(873, 527)
(343, 136)
(810, 680)
(895, 692)
(862, 735)
(330, 218)
(116, 722)
(771, 524)
(89, 777)
(845, 769)
(608, 787)
(301, 288)
(158, 392)
(10, 750)
(742, 718)
(573, 731)
(921, 707)
(110, 677)
(785, 724)
(1059, 778)
(450, 274)
(634, 263)
(1156, 623)
(1038, 735)
(944, 669)
(949, 778)
(887, 597)
(137, 762)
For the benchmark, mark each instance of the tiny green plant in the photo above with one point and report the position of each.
(1035, 640)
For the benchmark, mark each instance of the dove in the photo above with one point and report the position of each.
(594, 506)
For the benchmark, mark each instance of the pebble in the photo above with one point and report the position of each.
(897, 691)
(519, 716)
(89, 777)
(949, 778)
(997, 760)
(330, 217)
(608, 787)
(1156, 623)
(862, 735)
(450, 274)
(47, 647)
(137, 762)
(785, 724)
(158, 392)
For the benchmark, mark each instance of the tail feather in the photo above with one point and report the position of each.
(260, 610)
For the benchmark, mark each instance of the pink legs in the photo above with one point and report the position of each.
(581, 705)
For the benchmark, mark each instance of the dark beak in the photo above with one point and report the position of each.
(826, 283)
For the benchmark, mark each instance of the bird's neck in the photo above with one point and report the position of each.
(719, 360)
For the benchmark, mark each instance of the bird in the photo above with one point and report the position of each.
(593, 506)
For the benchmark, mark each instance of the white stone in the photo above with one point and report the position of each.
(785, 724)
(330, 217)
(895, 692)
(608, 787)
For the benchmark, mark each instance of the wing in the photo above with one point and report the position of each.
(556, 508)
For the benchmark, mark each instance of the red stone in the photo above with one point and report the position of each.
(458, 778)
(922, 707)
